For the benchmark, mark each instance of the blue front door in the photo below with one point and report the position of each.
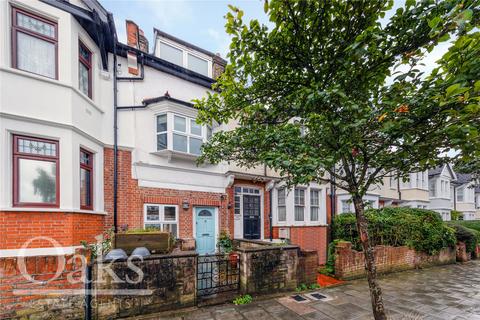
(205, 229)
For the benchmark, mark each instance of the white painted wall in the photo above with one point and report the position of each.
(38, 106)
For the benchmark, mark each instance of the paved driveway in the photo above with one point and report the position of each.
(448, 292)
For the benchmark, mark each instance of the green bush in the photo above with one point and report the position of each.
(471, 224)
(470, 237)
(420, 229)
(455, 215)
(246, 299)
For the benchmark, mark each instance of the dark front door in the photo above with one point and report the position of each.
(251, 217)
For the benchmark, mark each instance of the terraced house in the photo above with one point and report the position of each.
(95, 134)
(107, 137)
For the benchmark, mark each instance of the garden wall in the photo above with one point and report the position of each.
(350, 264)
(168, 282)
(268, 269)
(47, 287)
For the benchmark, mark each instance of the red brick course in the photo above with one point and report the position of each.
(309, 238)
(68, 229)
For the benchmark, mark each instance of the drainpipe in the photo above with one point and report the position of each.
(332, 204)
(88, 292)
(270, 215)
(115, 129)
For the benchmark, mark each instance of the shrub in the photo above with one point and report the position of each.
(246, 299)
(455, 215)
(471, 224)
(470, 237)
(422, 230)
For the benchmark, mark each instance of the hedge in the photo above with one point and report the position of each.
(422, 230)
(471, 224)
(471, 237)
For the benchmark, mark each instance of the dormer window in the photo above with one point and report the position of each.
(180, 133)
(184, 57)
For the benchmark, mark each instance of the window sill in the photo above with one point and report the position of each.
(171, 155)
(48, 210)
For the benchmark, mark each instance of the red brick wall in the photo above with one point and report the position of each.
(17, 302)
(309, 238)
(350, 264)
(68, 229)
(131, 198)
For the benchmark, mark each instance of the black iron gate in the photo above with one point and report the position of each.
(216, 274)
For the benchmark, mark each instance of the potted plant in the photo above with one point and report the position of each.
(225, 246)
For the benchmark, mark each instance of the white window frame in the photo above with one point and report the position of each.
(187, 133)
(317, 206)
(185, 53)
(462, 194)
(161, 221)
(295, 205)
(284, 204)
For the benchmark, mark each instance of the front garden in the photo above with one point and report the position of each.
(404, 238)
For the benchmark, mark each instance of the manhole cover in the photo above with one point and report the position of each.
(298, 298)
(318, 296)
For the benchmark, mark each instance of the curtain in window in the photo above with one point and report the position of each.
(35, 55)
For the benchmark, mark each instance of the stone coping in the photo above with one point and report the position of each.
(173, 255)
(268, 248)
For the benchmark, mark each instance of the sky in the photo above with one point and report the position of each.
(201, 22)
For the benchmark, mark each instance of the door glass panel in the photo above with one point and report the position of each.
(205, 213)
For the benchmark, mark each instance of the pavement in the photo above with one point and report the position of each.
(446, 292)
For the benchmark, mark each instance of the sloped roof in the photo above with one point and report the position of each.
(463, 178)
(435, 171)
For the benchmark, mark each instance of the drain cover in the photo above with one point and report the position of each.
(318, 296)
(298, 298)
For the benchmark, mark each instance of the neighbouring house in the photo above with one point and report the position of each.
(464, 196)
(413, 192)
(55, 119)
(441, 190)
(477, 203)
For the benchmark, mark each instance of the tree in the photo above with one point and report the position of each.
(331, 90)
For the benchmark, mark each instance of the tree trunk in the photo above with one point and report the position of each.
(375, 291)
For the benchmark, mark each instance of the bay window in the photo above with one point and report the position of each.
(35, 172)
(84, 70)
(34, 43)
(184, 134)
(162, 217)
(86, 180)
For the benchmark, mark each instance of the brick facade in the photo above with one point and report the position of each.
(309, 238)
(68, 229)
(131, 198)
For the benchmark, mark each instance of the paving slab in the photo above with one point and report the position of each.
(438, 293)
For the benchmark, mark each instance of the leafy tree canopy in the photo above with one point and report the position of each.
(330, 85)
